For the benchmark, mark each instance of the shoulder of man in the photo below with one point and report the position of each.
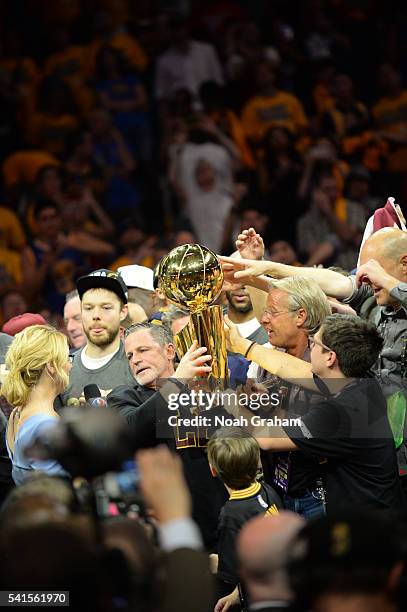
(123, 395)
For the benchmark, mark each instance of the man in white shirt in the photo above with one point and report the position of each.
(240, 311)
(185, 65)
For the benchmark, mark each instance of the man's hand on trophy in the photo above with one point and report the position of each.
(194, 363)
(235, 343)
(250, 244)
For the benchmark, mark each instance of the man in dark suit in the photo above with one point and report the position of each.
(151, 352)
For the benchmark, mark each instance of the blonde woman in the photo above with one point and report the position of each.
(38, 366)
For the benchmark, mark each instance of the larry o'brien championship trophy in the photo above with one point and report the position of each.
(192, 278)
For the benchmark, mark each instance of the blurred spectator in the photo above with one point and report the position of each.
(214, 105)
(82, 215)
(11, 231)
(358, 188)
(282, 252)
(122, 93)
(107, 33)
(279, 174)
(68, 62)
(50, 263)
(322, 158)
(73, 320)
(337, 565)
(271, 107)
(263, 548)
(334, 220)
(204, 182)
(53, 119)
(348, 115)
(10, 268)
(22, 167)
(112, 154)
(136, 247)
(66, 558)
(390, 116)
(12, 303)
(186, 64)
(244, 49)
(80, 167)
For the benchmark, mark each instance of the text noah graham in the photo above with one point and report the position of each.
(202, 420)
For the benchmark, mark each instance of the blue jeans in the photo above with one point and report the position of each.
(308, 506)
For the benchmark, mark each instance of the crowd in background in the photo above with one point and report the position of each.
(274, 128)
(128, 128)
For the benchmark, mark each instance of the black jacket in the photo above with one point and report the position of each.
(146, 412)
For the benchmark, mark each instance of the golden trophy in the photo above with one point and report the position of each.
(191, 277)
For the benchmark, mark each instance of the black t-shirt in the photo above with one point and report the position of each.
(351, 431)
(242, 505)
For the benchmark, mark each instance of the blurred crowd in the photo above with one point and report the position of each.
(129, 128)
(270, 130)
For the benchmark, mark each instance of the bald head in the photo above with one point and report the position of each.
(388, 244)
(263, 549)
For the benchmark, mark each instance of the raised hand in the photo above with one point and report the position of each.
(250, 244)
(234, 340)
(240, 270)
(373, 274)
(163, 484)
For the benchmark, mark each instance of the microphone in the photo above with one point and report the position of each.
(94, 397)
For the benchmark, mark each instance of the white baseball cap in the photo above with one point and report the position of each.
(137, 276)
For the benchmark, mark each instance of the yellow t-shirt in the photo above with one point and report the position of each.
(390, 114)
(23, 166)
(281, 110)
(11, 231)
(10, 267)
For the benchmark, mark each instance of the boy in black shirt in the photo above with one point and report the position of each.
(234, 457)
(349, 426)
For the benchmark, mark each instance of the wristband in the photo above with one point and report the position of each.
(249, 349)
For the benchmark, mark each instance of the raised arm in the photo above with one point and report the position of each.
(276, 362)
(244, 270)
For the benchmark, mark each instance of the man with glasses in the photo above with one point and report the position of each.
(378, 293)
(348, 426)
(294, 309)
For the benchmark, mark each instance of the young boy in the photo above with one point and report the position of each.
(234, 457)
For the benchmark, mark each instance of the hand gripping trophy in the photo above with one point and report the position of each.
(192, 278)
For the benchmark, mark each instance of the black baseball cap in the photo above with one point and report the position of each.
(105, 279)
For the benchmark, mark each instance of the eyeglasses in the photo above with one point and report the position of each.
(71, 358)
(312, 342)
(275, 313)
